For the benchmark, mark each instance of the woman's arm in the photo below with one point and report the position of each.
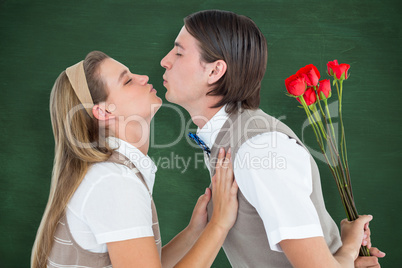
(142, 252)
(224, 196)
(314, 252)
(181, 243)
(138, 252)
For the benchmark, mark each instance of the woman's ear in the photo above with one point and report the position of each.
(218, 69)
(101, 113)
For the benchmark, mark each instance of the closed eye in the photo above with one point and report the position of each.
(128, 82)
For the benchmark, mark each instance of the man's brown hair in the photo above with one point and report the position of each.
(236, 39)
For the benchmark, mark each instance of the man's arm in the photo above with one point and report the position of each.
(283, 148)
(314, 252)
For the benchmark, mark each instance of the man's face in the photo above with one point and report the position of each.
(186, 76)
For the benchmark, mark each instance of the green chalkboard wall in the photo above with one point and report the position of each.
(38, 39)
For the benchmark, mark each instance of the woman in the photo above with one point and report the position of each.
(100, 210)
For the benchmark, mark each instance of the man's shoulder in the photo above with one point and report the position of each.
(260, 121)
(253, 123)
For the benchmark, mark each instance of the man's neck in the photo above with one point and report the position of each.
(201, 111)
(201, 117)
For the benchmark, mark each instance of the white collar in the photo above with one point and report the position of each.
(210, 130)
(142, 162)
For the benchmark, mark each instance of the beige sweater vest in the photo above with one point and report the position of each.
(67, 253)
(246, 244)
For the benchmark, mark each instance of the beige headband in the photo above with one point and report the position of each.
(79, 83)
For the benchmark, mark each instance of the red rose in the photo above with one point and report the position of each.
(309, 96)
(338, 69)
(324, 90)
(330, 67)
(295, 85)
(342, 70)
(310, 74)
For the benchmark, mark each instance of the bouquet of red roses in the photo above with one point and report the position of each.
(313, 96)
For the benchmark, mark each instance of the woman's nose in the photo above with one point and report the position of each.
(142, 79)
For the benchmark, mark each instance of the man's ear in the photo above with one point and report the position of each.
(101, 113)
(218, 69)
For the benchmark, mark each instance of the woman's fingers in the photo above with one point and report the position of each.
(218, 168)
(224, 170)
(216, 178)
(224, 192)
(199, 217)
(228, 170)
(234, 188)
(223, 180)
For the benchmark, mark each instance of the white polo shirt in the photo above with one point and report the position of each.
(274, 174)
(111, 203)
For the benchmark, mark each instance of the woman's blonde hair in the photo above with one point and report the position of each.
(79, 143)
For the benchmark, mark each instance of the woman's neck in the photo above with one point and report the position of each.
(136, 135)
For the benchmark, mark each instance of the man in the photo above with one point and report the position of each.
(214, 71)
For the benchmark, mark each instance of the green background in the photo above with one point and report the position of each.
(38, 39)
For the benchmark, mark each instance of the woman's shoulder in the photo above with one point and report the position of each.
(104, 170)
(111, 180)
(108, 174)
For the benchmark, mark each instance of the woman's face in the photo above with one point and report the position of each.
(130, 96)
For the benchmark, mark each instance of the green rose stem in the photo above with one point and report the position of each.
(313, 108)
(364, 251)
(320, 143)
(343, 137)
(329, 117)
(331, 142)
(338, 163)
(312, 122)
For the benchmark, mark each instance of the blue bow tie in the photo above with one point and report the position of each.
(200, 143)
